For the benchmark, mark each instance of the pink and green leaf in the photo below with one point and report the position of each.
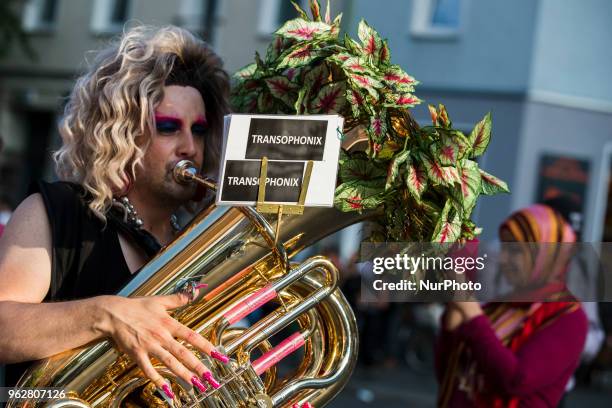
(357, 197)
(302, 30)
(357, 65)
(398, 78)
(378, 126)
(366, 82)
(330, 98)
(299, 55)
(371, 42)
(401, 101)
(393, 170)
(416, 179)
(281, 88)
(492, 185)
(448, 226)
(437, 173)
(384, 57)
(470, 184)
(481, 136)
(356, 100)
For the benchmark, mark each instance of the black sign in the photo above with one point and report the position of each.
(241, 181)
(286, 139)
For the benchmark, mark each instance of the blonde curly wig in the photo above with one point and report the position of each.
(111, 108)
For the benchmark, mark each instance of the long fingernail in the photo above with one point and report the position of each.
(218, 356)
(198, 384)
(166, 392)
(307, 405)
(210, 379)
(201, 285)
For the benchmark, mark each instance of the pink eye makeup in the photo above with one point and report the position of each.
(169, 124)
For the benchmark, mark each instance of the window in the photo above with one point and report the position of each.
(39, 15)
(191, 15)
(109, 16)
(273, 13)
(436, 18)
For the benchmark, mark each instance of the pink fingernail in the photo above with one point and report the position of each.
(168, 391)
(307, 405)
(218, 356)
(198, 384)
(201, 285)
(210, 379)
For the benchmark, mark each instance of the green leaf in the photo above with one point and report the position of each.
(330, 98)
(352, 46)
(443, 117)
(315, 9)
(416, 178)
(492, 185)
(328, 13)
(448, 226)
(433, 112)
(302, 30)
(481, 135)
(361, 170)
(300, 11)
(246, 72)
(299, 103)
(281, 88)
(394, 168)
(470, 181)
(265, 102)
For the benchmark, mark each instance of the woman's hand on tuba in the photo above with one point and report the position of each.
(143, 328)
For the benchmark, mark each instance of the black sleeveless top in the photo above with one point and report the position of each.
(87, 259)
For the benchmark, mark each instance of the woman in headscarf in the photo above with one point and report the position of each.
(520, 352)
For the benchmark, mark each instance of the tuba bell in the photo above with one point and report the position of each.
(236, 252)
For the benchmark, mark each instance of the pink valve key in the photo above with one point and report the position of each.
(276, 354)
(250, 304)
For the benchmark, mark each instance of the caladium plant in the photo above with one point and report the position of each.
(423, 181)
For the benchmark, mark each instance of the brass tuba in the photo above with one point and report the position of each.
(235, 251)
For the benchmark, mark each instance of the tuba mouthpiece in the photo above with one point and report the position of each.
(185, 172)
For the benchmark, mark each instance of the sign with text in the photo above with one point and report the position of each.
(288, 141)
